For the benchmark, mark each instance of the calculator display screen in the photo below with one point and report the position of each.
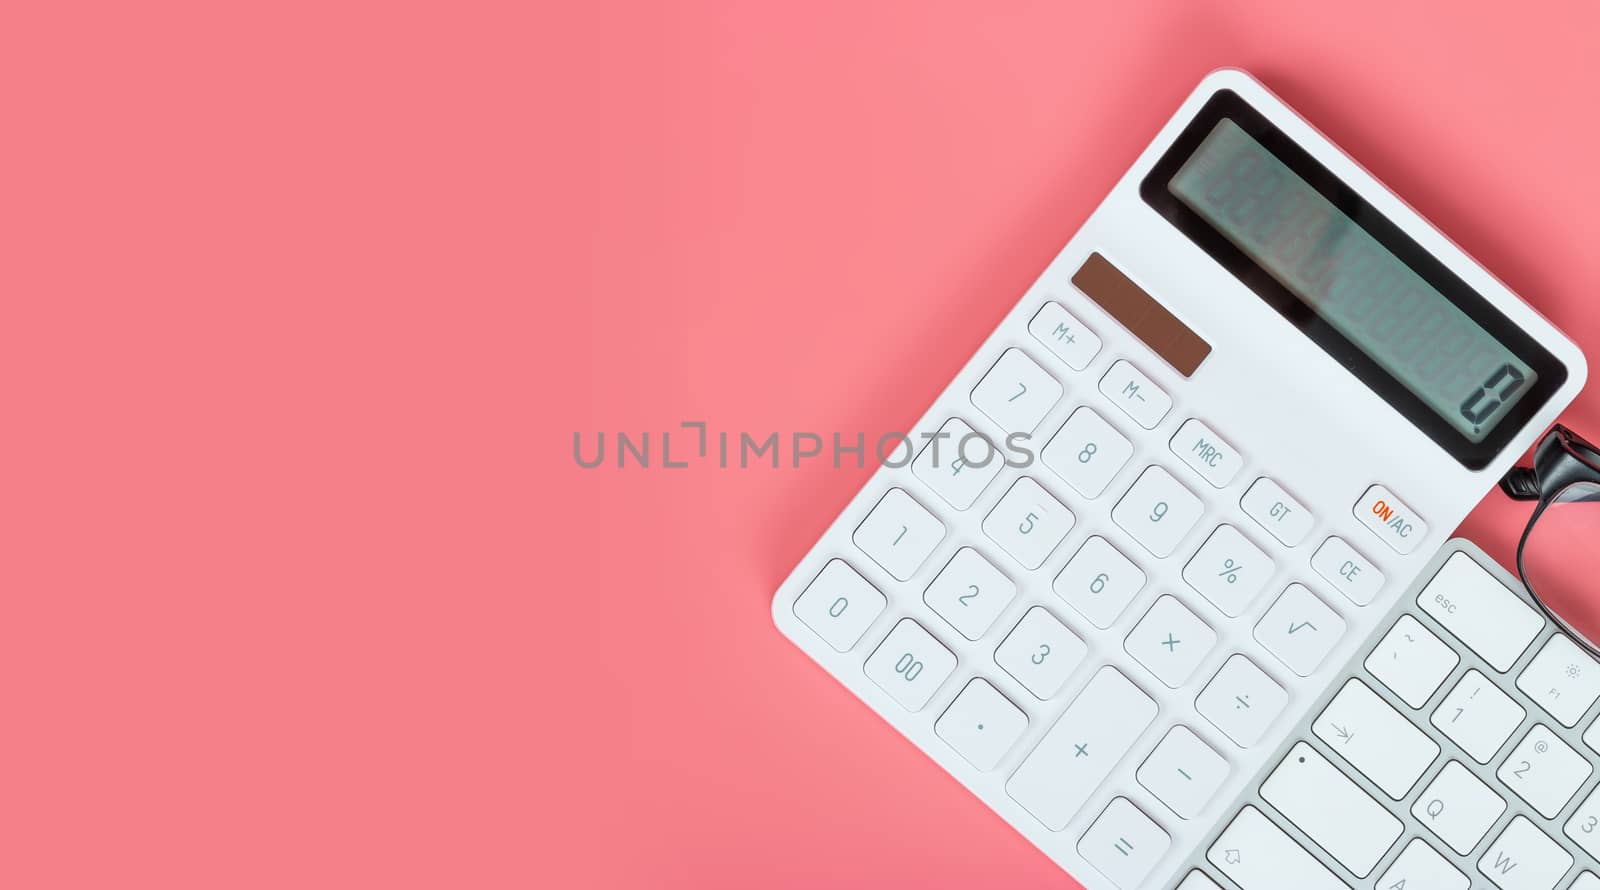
(1351, 280)
(1384, 307)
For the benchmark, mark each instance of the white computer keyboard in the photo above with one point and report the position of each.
(1458, 749)
(1142, 533)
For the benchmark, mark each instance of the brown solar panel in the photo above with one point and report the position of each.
(1140, 313)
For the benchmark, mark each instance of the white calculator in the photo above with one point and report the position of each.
(1138, 541)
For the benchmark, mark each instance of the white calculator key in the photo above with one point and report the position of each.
(1347, 571)
(1028, 523)
(1411, 661)
(1087, 452)
(1257, 855)
(1584, 826)
(1099, 582)
(1544, 771)
(1016, 393)
(1477, 716)
(981, 724)
(1562, 679)
(1385, 516)
(1524, 858)
(1268, 504)
(1158, 511)
(1480, 611)
(1204, 451)
(1241, 701)
(970, 593)
(1334, 812)
(1586, 881)
(839, 605)
(1229, 571)
(1064, 336)
(910, 665)
(1135, 394)
(1375, 739)
(1123, 844)
(1081, 749)
(1197, 880)
(958, 463)
(1170, 641)
(1420, 867)
(1300, 630)
(899, 534)
(1040, 653)
(1183, 772)
(1458, 807)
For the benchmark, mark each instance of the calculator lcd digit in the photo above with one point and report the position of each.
(1351, 280)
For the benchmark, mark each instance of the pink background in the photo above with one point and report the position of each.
(301, 304)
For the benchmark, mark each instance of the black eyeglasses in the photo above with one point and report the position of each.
(1559, 554)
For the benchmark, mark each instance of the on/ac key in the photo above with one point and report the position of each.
(1390, 519)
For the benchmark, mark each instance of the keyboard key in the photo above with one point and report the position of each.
(981, 724)
(1268, 504)
(1544, 771)
(1375, 739)
(1123, 844)
(910, 665)
(1204, 451)
(1478, 716)
(958, 464)
(1241, 701)
(1385, 516)
(1099, 582)
(899, 534)
(1480, 611)
(1135, 394)
(1197, 880)
(1040, 653)
(1064, 336)
(1584, 826)
(1420, 867)
(1183, 772)
(1347, 571)
(1016, 393)
(1170, 641)
(1300, 630)
(1586, 881)
(1158, 511)
(1591, 736)
(970, 593)
(1028, 523)
(1411, 661)
(1458, 807)
(1081, 749)
(1229, 571)
(1087, 452)
(1333, 811)
(839, 605)
(1257, 855)
(1562, 679)
(1524, 858)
